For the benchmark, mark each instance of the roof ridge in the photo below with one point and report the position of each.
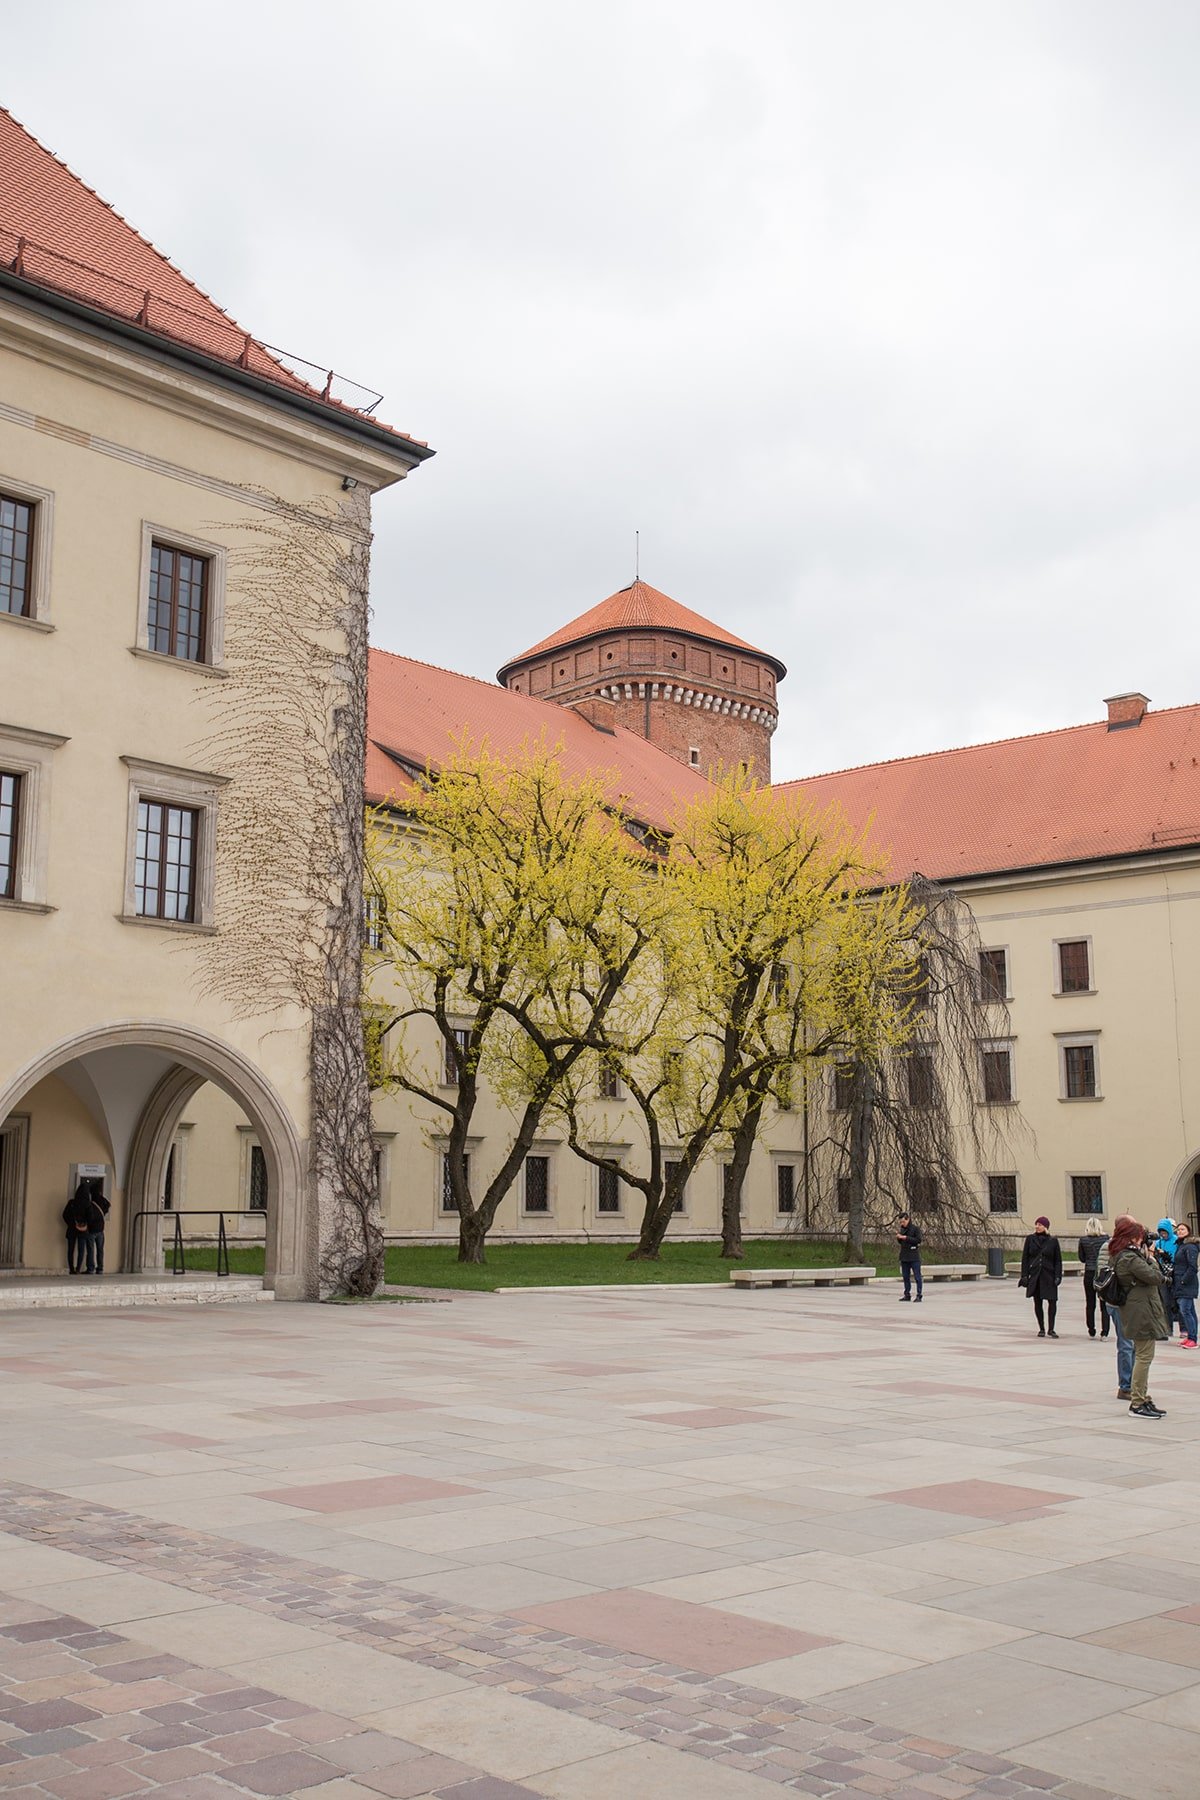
(1024, 737)
(441, 669)
(122, 220)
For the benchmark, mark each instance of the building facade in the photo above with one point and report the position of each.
(144, 439)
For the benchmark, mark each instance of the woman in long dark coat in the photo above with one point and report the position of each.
(1041, 1273)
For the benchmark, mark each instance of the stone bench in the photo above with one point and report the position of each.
(776, 1278)
(1069, 1268)
(953, 1271)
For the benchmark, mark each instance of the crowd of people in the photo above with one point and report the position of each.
(1144, 1284)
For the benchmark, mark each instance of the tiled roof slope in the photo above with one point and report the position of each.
(419, 712)
(1076, 795)
(69, 239)
(639, 607)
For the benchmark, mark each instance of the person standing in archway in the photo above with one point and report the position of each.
(96, 1248)
(84, 1221)
(1185, 1283)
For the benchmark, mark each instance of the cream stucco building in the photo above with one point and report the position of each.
(142, 437)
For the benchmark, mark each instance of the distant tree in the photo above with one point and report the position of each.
(771, 953)
(513, 906)
(902, 1118)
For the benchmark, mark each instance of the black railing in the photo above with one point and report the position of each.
(178, 1247)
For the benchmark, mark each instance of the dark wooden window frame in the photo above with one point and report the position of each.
(1079, 1071)
(10, 868)
(169, 631)
(257, 1185)
(1092, 1206)
(1070, 979)
(993, 977)
(11, 590)
(785, 1189)
(997, 1070)
(1010, 1202)
(537, 1167)
(159, 892)
(608, 1192)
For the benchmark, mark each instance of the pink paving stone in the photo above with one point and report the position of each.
(677, 1631)
(357, 1496)
(706, 1418)
(182, 1440)
(1009, 1396)
(1189, 1615)
(290, 1773)
(96, 1784)
(977, 1499)
(329, 1409)
(423, 1775)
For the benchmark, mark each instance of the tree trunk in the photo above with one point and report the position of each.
(731, 1199)
(472, 1237)
(862, 1108)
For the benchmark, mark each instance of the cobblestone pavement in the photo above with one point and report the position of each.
(590, 1545)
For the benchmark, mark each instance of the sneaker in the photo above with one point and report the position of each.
(917, 1300)
(1052, 1333)
(1092, 1331)
(1188, 1344)
(1147, 1410)
(1124, 1394)
(905, 1297)
(1041, 1334)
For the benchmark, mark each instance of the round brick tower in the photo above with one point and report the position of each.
(641, 660)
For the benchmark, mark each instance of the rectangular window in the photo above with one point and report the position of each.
(1079, 1071)
(177, 621)
(670, 1171)
(609, 1083)
(164, 885)
(372, 921)
(169, 1181)
(993, 976)
(1087, 1193)
(779, 983)
(258, 1179)
(1002, 1193)
(1074, 967)
(843, 1193)
(608, 1191)
(16, 556)
(919, 1070)
(377, 1168)
(448, 1201)
(537, 1184)
(455, 1055)
(997, 1077)
(10, 826)
(785, 1187)
(922, 1191)
(920, 992)
(843, 1087)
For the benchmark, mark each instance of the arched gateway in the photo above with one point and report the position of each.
(129, 1083)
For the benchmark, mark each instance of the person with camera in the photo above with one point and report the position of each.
(1140, 1300)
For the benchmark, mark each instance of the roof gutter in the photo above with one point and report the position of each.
(169, 352)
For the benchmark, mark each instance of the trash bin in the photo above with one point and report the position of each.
(995, 1264)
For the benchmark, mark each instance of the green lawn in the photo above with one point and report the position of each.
(564, 1265)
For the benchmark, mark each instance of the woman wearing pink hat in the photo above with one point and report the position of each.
(1041, 1273)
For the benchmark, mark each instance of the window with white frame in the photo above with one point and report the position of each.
(456, 1049)
(694, 756)
(181, 605)
(537, 1184)
(608, 1191)
(785, 1188)
(26, 528)
(1001, 1193)
(170, 863)
(996, 1073)
(993, 977)
(372, 922)
(1073, 957)
(25, 760)
(1087, 1194)
(1079, 1067)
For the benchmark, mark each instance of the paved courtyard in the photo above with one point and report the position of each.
(680, 1542)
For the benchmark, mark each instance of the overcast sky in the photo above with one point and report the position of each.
(876, 318)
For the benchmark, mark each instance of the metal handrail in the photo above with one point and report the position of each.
(178, 1262)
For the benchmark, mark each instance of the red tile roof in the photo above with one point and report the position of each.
(418, 712)
(56, 232)
(1077, 795)
(639, 607)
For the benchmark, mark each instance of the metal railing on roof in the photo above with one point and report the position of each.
(210, 333)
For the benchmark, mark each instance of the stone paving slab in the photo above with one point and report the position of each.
(880, 1580)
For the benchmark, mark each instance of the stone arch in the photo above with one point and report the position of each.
(200, 1058)
(1183, 1197)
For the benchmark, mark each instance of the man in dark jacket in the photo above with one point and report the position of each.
(908, 1237)
(83, 1220)
(1185, 1283)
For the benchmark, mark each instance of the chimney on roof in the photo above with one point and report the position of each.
(597, 710)
(1125, 710)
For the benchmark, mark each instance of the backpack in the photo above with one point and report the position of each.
(1109, 1286)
